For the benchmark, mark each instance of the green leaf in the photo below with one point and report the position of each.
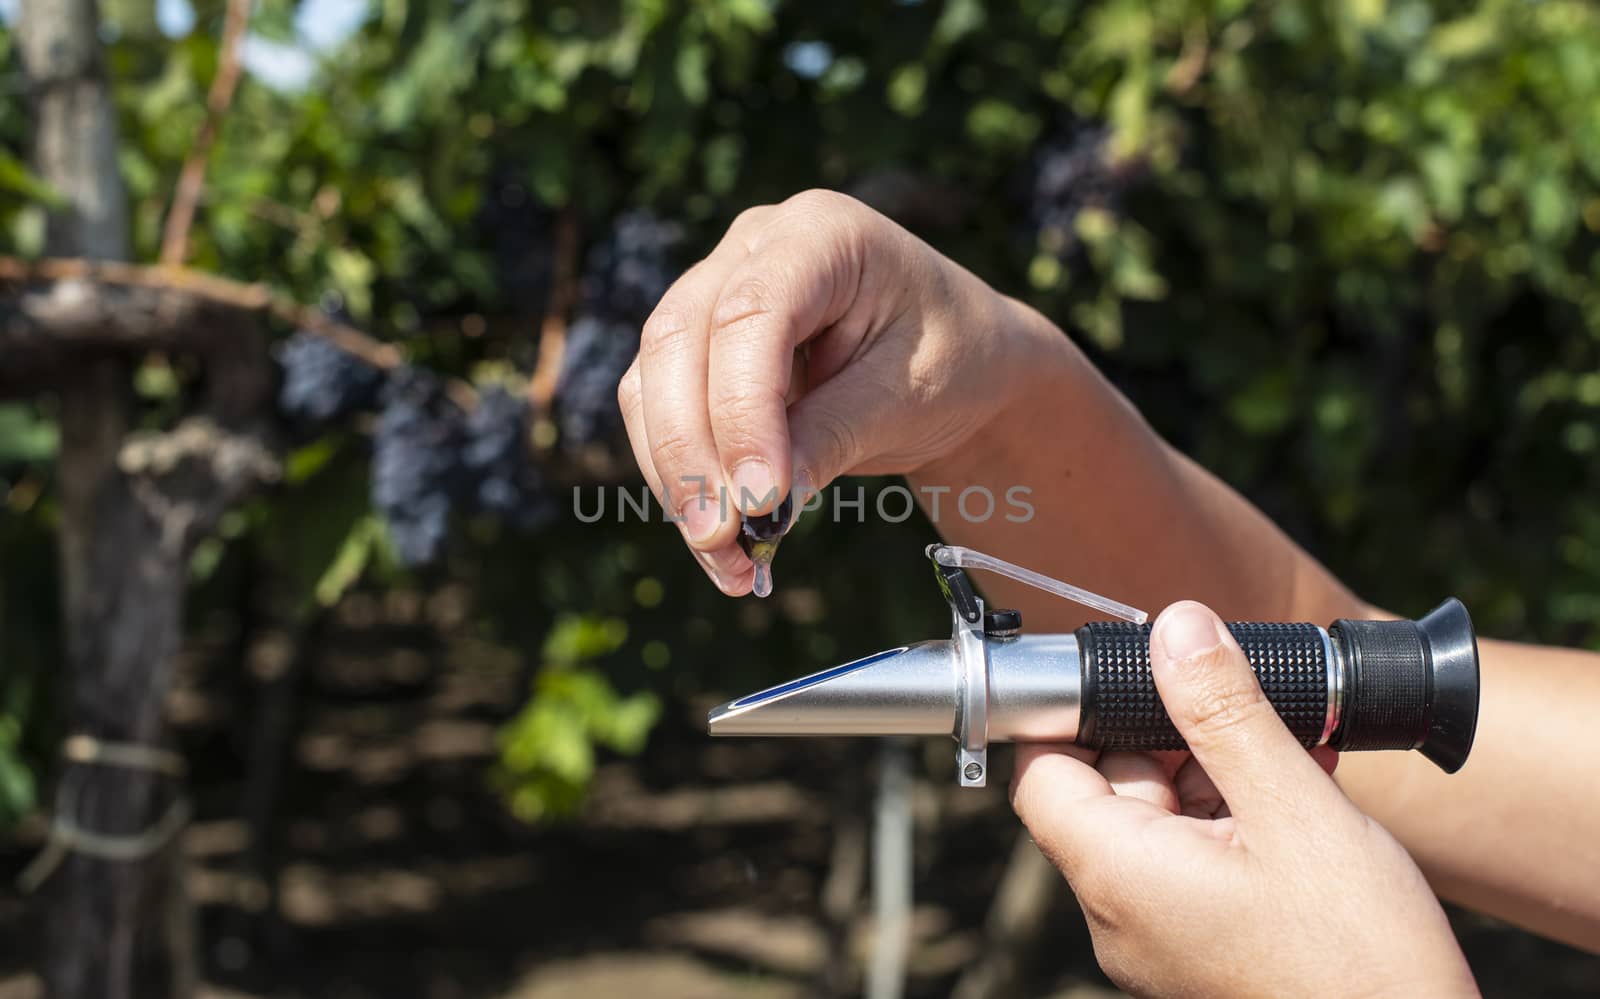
(959, 19)
(18, 792)
(351, 561)
(907, 89)
(1000, 126)
(1466, 37)
(25, 436)
(1551, 211)
(353, 272)
(1400, 202)
(1264, 406)
(18, 179)
(690, 69)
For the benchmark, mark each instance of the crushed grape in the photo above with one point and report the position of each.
(759, 537)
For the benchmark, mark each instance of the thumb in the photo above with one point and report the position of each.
(1216, 704)
(840, 423)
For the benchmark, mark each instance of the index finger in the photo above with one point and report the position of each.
(672, 363)
(1069, 807)
(801, 277)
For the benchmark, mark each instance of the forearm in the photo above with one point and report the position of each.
(1116, 509)
(1513, 833)
(1120, 512)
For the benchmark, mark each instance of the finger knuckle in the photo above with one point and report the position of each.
(753, 217)
(741, 412)
(667, 332)
(839, 217)
(629, 394)
(752, 297)
(1222, 704)
(674, 452)
(820, 201)
(839, 438)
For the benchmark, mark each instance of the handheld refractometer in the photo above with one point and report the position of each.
(1354, 685)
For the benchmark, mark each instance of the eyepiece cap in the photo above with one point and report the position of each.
(1410, 685)
(1452, 645)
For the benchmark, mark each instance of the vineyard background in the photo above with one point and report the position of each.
(441, 737)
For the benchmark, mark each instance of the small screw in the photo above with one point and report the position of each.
(973, 771)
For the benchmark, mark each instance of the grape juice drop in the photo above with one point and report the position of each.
(759, 536)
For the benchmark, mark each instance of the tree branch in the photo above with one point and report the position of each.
(180, 217)
(553, 333)
(53, 312)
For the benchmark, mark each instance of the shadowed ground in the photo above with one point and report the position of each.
(693, 871)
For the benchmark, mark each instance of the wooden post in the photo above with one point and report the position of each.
(107, 929)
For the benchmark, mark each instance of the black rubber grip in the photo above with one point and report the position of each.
(1121, 709)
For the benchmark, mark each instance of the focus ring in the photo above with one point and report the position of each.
(1386, 704)
(1121, 709)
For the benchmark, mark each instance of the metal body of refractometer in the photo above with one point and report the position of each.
(1356, 685)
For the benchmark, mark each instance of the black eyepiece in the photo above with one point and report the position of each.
(1410, 685)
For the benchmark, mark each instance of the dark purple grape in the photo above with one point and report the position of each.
(628, 271)
(597, 355)
(759, 534)
(417, 467)
(321, 383)
(507, 484)
(626, 274)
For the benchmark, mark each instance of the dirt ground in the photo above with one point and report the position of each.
(696, 871)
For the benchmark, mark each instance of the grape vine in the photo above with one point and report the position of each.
(431, 458)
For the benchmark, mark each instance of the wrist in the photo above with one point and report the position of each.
(1036, 377)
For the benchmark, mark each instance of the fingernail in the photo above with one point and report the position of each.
(701, 517)
(804, 493)
(726, 566)
(1186, 630)
(710, 567)
(754, 487)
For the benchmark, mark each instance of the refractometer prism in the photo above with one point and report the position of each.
(1355, 685)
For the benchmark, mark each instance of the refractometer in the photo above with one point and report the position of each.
(1355, 685)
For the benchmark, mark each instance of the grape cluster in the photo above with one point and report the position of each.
(417, 467)
(597, 354)
(626, 275)
(321, 383)
(1072, 174)
(628, 272)
(505, 481)
(431, 458)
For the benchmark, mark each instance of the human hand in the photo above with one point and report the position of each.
(818, 338)
(1237, 868)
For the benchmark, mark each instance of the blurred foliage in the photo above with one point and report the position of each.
(1360, 277)
(548, 749)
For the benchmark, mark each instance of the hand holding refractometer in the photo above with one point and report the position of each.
(1354, 685)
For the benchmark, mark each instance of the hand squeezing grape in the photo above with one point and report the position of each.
(759, 536)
